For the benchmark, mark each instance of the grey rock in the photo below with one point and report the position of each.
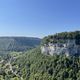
(68, 48)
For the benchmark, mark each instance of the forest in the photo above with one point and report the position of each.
(33, 65)
(62, 37)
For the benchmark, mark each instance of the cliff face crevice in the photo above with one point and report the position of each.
(68, 48)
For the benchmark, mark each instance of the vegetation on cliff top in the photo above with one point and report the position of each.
(62, 37)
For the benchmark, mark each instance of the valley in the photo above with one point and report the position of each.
(35, 64)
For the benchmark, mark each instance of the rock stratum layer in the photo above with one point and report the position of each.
(67, 43)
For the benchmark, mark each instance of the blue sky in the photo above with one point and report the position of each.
(38, 18)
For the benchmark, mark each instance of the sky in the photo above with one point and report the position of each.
(38, 18)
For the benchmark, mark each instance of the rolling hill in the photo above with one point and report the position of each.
(18, 43)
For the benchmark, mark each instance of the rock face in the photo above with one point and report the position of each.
(68, 48)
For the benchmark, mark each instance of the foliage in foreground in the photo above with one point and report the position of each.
(35, 66)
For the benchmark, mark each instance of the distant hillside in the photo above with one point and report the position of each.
(18, 43)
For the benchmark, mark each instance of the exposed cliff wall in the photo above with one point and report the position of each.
(68, 48)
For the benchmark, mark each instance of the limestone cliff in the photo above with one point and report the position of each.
(68, 47)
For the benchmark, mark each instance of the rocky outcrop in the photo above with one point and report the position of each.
(68, 48)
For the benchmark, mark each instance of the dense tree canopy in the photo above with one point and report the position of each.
(35, 66)
(62, 37)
